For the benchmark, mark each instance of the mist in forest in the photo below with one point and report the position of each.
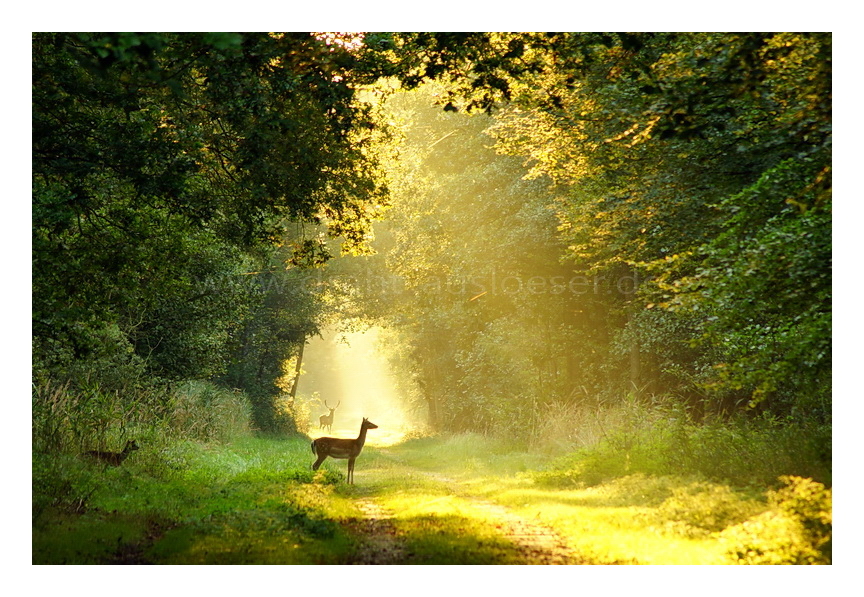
(350, 370)
(580, 281)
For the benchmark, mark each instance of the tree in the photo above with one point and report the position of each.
(477, 298)
(166, 168)
(695, 163)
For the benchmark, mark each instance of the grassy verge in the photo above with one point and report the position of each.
(629, 517)
(253, 501)
(203, 490)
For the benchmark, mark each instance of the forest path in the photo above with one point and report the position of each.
(535, 542)
(530, 542)
(380, 543)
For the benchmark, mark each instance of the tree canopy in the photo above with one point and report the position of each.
(670, 193)
(168, 170)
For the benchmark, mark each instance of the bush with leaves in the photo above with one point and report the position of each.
(796, 530)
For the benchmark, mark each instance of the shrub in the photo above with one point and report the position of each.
(659, 439)
(700, 508)
(205, 412)
(797, 529)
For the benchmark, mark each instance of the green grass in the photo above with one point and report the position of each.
(741, 452)
(255, 500)
(622, 517)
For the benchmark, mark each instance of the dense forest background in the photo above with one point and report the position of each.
(638, 213)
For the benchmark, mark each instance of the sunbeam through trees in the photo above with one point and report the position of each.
(570, 277)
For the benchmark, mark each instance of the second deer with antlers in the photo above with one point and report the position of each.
(327, 420)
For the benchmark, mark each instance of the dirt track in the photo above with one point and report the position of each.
(380, 542)
(535, 543)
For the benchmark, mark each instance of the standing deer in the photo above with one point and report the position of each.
(342, 448)
(327, 420)
(114, 458)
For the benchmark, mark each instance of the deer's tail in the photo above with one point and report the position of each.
(314, 451)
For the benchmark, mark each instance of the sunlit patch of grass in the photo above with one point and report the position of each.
(700, 508)
(467, 454)
(436, 524)
(440, 528)
(636, 518)
(674, 520)
(620, 535)
(627, 521)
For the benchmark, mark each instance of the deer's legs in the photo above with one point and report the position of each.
(351, 471)
(318, 462)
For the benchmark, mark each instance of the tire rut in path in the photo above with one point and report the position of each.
(380, 544)
(535, 542)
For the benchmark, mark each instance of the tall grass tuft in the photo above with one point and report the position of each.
(205, 412)
(796, 530)
(659, 438)
(68, 421)
(90, 417)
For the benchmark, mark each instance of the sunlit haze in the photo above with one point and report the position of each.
(436, 297)
(348, 369)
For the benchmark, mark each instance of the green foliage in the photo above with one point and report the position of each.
(634, 216)
(202, 503)
(696, 164)
(471, 279)
(778, 264)
(689, 199)
(797, 530)
(661, 440)
(167, 168)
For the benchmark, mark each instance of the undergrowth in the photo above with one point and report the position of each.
(205, 503)
(796, 529)
(726, 460)
(66, 422)
(741, 451)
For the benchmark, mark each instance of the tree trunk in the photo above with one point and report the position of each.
(297, 371)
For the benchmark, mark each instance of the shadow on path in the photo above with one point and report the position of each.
(534, 543)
